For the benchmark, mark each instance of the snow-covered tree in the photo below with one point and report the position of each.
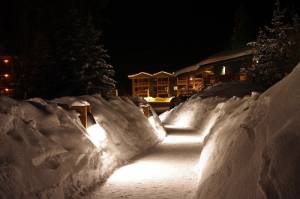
(96, 75)
(272, 46)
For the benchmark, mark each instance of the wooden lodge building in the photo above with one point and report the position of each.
(222, 67)
(159, 84)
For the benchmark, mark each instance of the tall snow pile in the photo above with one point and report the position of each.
(251, 145)
(45, 151)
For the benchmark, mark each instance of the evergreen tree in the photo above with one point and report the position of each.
(96, 76)
(68, 55)
(81, 58)
(272, 46)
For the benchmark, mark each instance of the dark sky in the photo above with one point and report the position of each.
(153, 35)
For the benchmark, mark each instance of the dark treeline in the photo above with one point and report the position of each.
(59, 46)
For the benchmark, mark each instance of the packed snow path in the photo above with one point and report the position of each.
(167, 171)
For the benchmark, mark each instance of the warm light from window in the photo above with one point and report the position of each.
(223, 70)
(6, 61)
(209, 72)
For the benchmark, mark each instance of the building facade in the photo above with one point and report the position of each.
(161, 84)
(222, 67)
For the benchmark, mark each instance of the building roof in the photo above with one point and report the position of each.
(187, 70)
(144, 74)
(162, 73)
(227, 55)
(139, 75)
(219, 57)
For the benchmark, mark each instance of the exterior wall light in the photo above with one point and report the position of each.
(223, 70)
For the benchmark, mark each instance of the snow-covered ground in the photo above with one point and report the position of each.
(219, 148)
(45, 152)
(167, 171)
(251, 145)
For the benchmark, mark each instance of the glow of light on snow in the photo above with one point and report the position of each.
(154, 169)
(186, 139)
(96, 134)
(184, 120)
(164, 115)
(159, 131)
(203, 164)
(211, 122)
(146, 170)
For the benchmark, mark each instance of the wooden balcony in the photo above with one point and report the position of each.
(141, 84)
(182, 82)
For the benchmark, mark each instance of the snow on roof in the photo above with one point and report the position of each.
(80, 103)
(187, 70)
(162, 73)
(139, 74)
(143, 74)
(223, 56)
(226, 56)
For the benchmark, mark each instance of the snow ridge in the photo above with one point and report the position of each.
(45, 151)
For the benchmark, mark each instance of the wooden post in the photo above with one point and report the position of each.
(82, 110)
(146, 110)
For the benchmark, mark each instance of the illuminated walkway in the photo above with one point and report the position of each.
(167, 171)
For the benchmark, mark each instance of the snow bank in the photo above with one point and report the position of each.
(45, 151)
(228, 89)
(251, 145)
(190, 114)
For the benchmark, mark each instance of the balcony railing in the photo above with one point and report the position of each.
(141, 84)
(182, 82)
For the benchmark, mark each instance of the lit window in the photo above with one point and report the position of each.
(175, 88)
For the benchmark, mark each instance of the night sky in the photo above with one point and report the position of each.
(152, 35)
